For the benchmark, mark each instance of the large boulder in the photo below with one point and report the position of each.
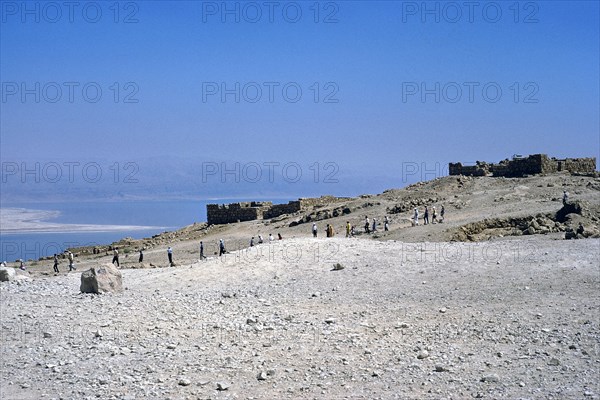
(7, 274)
(105, 278)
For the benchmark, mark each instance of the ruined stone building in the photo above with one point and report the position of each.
(249, 211)
(522, 166)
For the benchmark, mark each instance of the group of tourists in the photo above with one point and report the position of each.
(351, 229)
(370, 226)
(261, 241)
(69, 256)
(329, 231)
(434, 216)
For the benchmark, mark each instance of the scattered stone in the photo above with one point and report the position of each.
(222, 386)
(337, 267)
(554, 362)
(440, 368)
(423, 354)
(490, 378)
(48, 335)
(7, 274)
(184, 382)
(262, 376)
(102, 279)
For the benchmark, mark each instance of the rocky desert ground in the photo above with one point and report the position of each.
(493, 303)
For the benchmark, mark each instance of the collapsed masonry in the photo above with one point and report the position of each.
(253, 210)
(522, 166)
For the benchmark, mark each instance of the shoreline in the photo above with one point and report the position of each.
(26, 221)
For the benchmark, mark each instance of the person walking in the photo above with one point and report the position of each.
(426, 216)
(116, 257)
(260, 239)
(141, 256)
(433, 215)
(367, 224)
(348, 228)
(221, 247)
(314, 230)
(565, 197)
(170, 255)
(202, 251)
(56, 263)
(271, 238)
(279, 237)
(374, 225)
(416, 218)
(71, 266)
(252, 242)
(442, 212)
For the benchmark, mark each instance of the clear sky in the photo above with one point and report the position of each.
(384, 85)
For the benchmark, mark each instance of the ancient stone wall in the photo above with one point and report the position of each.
(249, 211)
(234, 212)
(480, 169)
(581, 165)
(318, 201)
(520, 167)
(280, 209)
(531, 165)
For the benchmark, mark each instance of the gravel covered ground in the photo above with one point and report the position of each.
(509, 318)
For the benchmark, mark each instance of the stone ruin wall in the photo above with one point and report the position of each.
(318, 201)
(234, 212)
(583, 165)
(280, 209)
(534, 164)
(249, 211)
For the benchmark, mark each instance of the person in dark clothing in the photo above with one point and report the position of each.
(170, 255)
(202, 250)
(56, 263)
(116, 257)
(221, 247)
(141, 256)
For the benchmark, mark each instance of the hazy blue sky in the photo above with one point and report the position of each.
(361, 68)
